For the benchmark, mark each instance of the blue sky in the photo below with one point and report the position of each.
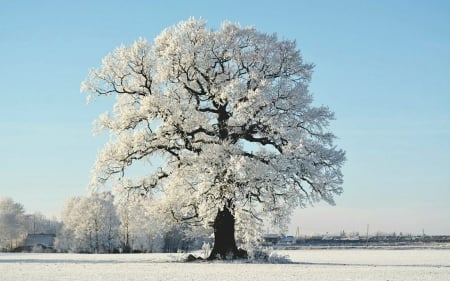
(383, 67)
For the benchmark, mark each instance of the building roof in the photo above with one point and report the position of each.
(45, 240)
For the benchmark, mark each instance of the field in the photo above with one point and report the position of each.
(333, 265)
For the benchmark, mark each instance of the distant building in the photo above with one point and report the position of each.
(271, 239)
(39, 243)
(288, 240)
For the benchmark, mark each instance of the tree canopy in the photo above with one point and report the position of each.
(230, 118)
(12, 218)
(90, 224)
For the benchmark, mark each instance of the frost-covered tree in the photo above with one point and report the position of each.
(12, 223)
(39, 223)
(230, 119)
(141, 225)
(89, 224)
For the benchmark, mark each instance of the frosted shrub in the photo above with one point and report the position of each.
(267, 255)
(277, 258)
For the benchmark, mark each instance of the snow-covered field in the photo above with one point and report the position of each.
(347, 264)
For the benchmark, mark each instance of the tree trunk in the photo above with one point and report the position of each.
(224, 241)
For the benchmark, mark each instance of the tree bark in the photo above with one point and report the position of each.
(224, 241)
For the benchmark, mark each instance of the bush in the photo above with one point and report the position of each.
(268, 256)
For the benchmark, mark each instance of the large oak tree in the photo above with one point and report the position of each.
(230, 118)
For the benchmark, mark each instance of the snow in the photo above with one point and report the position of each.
(347, 264)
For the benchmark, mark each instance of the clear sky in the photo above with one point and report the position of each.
(383, 67)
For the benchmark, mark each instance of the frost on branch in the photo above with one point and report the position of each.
(230, 114)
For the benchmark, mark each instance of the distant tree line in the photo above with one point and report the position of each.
(15, 224)
(130, 222)
(354, 239)
(98, 223)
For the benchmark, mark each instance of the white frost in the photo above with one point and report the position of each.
(195, 98)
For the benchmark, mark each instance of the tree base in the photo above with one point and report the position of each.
(224, 243)
(238, 254)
